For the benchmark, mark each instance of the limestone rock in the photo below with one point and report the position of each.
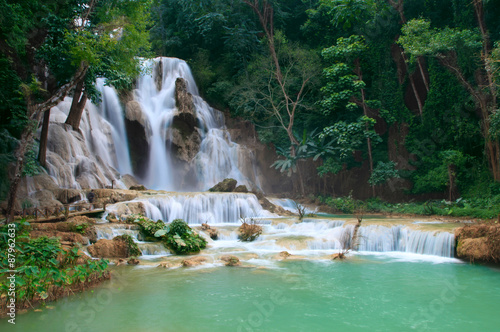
(109, 249)
(227, 185)
(212, 232)
(193, 261)
(474, 249)
(138, 132)
(230, 260)
(133, 261)
(165, 265)
(183, 99)
(241, 189)
(284, 254)
(67, 196)
(138, 188)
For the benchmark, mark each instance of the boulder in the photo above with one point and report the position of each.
(479, 242)
(109, 249)
(230, 260)
(165, 265)
(67, 196)
(225, 186)
(284, 254)
(193, 261)
(474, 249)
(212, 232)
(133, 261)
(138, 188)
(241, 189)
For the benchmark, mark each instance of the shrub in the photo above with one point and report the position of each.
(249, 231)
(182, 239)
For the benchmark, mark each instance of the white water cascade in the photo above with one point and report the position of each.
(198, 208)
(113, 113)
(218, 157)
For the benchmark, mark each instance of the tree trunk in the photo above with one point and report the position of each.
(77, 106)
(365, 112)
(34, 115)
(42, 152)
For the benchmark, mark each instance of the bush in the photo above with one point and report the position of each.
(182, 239)
(41, 265)
(249, 231)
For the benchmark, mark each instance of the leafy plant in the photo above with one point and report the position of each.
(182, 239)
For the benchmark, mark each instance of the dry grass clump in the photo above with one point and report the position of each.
(479, 242)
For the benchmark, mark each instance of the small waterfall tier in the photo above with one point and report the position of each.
(334, 235)
(197, 208)
(400, 238)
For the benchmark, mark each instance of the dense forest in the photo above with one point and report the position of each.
(402, 94)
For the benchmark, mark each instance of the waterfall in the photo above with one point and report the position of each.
(205, 208)
(113, 113)
(218, 156)
(401, 238)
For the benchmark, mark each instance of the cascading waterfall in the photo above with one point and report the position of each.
(205, 208)
(217, 158)
(113, 113)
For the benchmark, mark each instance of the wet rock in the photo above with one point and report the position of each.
(114, 195)
(183, 99)
(284, 254)
(165, 265)
(339, 256)
(230, 260)
(138, 188)
(226, 186)
(112, 218)
(193, 261)
(109, 249)
(212, 232)
(67, 196)
(478, 243)
(120, 261)
(138, 132)
(133, 261)
(241, 189)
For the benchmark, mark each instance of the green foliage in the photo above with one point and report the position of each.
(133, 249)
(41, 264)
(177, 235)
(420, 39)
(182, 239)
(383, 172)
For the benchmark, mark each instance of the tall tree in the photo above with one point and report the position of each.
(285, 101)
(446, 44)
(55, 45)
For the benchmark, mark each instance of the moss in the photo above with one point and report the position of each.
(133, 249)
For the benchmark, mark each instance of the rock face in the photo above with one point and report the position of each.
(212, 232)
(138, 130)
(184, 138)
(478, 243)
(193, 261)
(225, 186)
(109, 249)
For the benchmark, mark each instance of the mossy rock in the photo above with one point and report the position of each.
(226, 186)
